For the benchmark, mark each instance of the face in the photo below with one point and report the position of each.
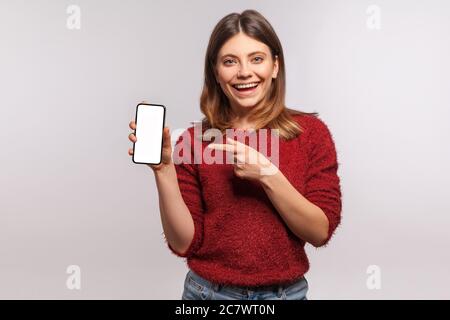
(243, 60)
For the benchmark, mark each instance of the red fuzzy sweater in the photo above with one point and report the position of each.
(240, 239)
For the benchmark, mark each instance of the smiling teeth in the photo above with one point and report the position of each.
(250, 85)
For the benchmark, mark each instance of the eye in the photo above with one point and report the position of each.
(225, 62)
(259, 58)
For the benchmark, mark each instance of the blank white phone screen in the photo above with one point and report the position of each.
(149, 130)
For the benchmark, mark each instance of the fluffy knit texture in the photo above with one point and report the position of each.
(240, 239)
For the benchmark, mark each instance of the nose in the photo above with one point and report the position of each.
(244, 70)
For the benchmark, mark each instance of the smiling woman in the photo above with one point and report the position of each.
(243, 227)
(248, 243)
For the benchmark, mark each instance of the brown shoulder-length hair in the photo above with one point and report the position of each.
(214, 103)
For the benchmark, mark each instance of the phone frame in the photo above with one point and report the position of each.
(162, 135)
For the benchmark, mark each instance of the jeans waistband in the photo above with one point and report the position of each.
(243, 289)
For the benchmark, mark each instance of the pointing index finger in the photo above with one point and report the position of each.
(218, 146)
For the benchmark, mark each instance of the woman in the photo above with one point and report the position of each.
(243, 229)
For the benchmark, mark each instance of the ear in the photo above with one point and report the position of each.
(275, 68)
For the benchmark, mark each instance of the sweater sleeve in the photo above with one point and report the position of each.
(188, 181)
(322, 186)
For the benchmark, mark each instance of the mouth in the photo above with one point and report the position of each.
(246, 89)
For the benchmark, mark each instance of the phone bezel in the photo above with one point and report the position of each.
(162, 135)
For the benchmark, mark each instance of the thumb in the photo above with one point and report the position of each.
(166, 137)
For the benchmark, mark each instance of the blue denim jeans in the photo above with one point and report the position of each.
(198, 288)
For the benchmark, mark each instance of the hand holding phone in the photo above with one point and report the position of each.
(152, 144)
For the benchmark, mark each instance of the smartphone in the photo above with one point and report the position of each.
(150, 119)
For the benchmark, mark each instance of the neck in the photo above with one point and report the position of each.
(241, 121)
(239, 124)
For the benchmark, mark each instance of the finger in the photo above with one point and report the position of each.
(231, 141)
(226, 147)
(132, 137)
(239, 158)
(130, 152)
(132, 124)
(166, 141)
(237, 144)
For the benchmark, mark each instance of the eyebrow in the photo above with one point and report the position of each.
(250, 54)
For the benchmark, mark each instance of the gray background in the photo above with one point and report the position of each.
(70, 194)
